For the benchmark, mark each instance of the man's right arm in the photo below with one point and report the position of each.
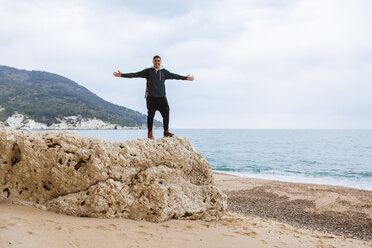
(140, 74)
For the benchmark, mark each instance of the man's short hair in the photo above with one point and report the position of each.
(156, 57)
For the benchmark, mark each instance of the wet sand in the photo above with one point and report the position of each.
(331, 209)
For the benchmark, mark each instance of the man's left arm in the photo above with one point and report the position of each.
(169, 75)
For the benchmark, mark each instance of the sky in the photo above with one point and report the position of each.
(256, 63)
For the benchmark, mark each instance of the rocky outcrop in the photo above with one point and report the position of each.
(19, 121)
(154, 180)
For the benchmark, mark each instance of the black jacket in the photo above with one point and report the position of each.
(155, 86)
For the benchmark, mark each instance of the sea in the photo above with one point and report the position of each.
(333, 157)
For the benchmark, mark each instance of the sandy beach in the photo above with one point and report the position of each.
(261, 213)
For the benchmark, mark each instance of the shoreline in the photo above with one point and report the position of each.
(252, 176)
(261, 213)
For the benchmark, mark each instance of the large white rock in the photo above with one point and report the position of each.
(154, 180)
(19, 121)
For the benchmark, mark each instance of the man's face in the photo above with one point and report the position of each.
(157, 62)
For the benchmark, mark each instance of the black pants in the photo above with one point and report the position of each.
(160, 104)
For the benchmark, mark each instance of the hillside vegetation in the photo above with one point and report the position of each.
(46, 97)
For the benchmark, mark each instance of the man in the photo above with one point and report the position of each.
(155, 92)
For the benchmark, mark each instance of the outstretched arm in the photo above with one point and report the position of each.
(140, 74)
(169, 75)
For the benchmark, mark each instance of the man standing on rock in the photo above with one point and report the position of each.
(155, 92)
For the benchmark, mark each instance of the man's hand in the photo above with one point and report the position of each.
(117, 74)
(190, 78)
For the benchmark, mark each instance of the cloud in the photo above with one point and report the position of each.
(257, 64)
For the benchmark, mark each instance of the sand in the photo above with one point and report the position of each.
(337, 210)
(262, 213)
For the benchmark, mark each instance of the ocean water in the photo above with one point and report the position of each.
(336, 157)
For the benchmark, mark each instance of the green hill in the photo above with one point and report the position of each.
(44, 97)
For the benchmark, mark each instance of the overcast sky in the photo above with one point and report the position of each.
(257, 63)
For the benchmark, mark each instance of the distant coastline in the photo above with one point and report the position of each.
(44, 100)
(19, 121)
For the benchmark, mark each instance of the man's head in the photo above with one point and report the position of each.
(156, 61)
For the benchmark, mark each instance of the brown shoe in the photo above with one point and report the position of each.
(168, 134)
